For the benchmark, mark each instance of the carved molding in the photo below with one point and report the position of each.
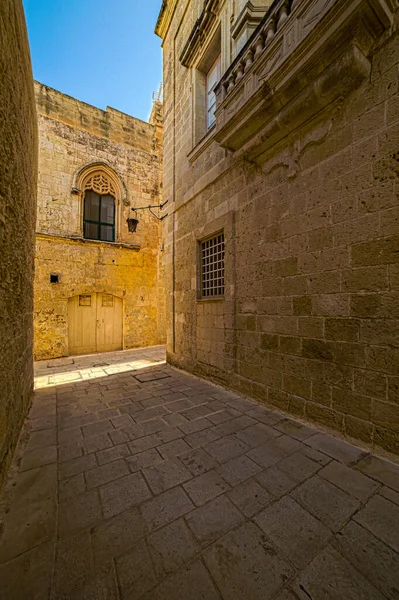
(199, 32)
(317, 56)
(102, 179)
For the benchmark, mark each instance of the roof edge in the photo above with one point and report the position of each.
(165, 17)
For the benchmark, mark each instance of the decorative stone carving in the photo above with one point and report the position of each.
(101, 184)
(345, 32)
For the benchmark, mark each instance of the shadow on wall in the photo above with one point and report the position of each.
(18, 181)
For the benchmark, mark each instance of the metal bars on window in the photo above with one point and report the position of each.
(212, 266)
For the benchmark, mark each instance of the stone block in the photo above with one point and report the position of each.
(341, 451)
(112, 454)
(372, 558)
(380, 516)
(39, 457)
(30, 574)
(213, 520)
(326, 502)
(135, 571)
(330, 577)
(115, 536)
(144, 443)
(171, 547)
(122, 494)
(166, 474)
(143, 460)
(79, 513)
(198, 461)
(77, 465)
(192, 582)
(293, 530)
(173, 448)
(244, 551)
(205, 487)
(354, 483)
(105, 473)
(166, 507)
(238, 469)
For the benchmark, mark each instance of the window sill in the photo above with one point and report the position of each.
(203, 144)
(82, 240)
(212, 299)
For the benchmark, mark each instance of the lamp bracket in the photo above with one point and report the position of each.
(150, 207)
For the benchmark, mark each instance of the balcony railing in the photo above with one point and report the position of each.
(271, 23)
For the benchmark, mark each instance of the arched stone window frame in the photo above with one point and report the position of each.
(103, 179)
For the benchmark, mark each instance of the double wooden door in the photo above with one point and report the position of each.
(94, 323)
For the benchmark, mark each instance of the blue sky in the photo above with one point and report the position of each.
(103, 52)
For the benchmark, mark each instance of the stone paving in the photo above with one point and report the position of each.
(134, 480)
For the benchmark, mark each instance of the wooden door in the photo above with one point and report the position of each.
(82, 317)
(95, 323)
(109, 323)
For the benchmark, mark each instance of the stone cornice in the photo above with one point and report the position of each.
(69, 239)
(165, 17)
(200, 30)
(319, 50)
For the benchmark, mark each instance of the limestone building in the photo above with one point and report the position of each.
(281, 139)
(98, 287)
(18, 177)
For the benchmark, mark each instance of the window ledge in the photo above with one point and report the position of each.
(81, 240)
(210, 299)
(203, 144)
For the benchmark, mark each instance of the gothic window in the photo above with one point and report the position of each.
(99, 216)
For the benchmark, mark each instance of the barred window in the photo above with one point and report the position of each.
(212, 266)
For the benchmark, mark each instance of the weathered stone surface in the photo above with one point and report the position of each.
(18, 190)
(123, 493)
(72, 136)
(115, 536)
(202, 538)
(166, 474)
(205, 487)
(380, 516)
(166, 507)
(211, 521)
(298, 535)
(375, 560)
(329, 577)
(246, 551)
(350, 481)
(326, 502)
(305, 198)
(192, 582)
(250, 497)
(171, 547)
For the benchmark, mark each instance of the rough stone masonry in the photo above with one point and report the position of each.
(299, 172)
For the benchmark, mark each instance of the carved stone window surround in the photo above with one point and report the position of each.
(102, 179)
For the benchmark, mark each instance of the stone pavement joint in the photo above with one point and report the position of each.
(134, 480)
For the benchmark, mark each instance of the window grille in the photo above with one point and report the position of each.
(212, 267)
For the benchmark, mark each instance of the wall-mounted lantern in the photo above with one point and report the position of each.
(132, 222)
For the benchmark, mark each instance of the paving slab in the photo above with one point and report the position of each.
(137, 481)
(245, 564)
(331, 577)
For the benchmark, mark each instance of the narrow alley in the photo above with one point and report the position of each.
(135, 480)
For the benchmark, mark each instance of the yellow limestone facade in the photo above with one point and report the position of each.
(297, 176)
(93, 296)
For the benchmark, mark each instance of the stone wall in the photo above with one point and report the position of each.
(309, 321)
(73, 135)
(18, 167)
